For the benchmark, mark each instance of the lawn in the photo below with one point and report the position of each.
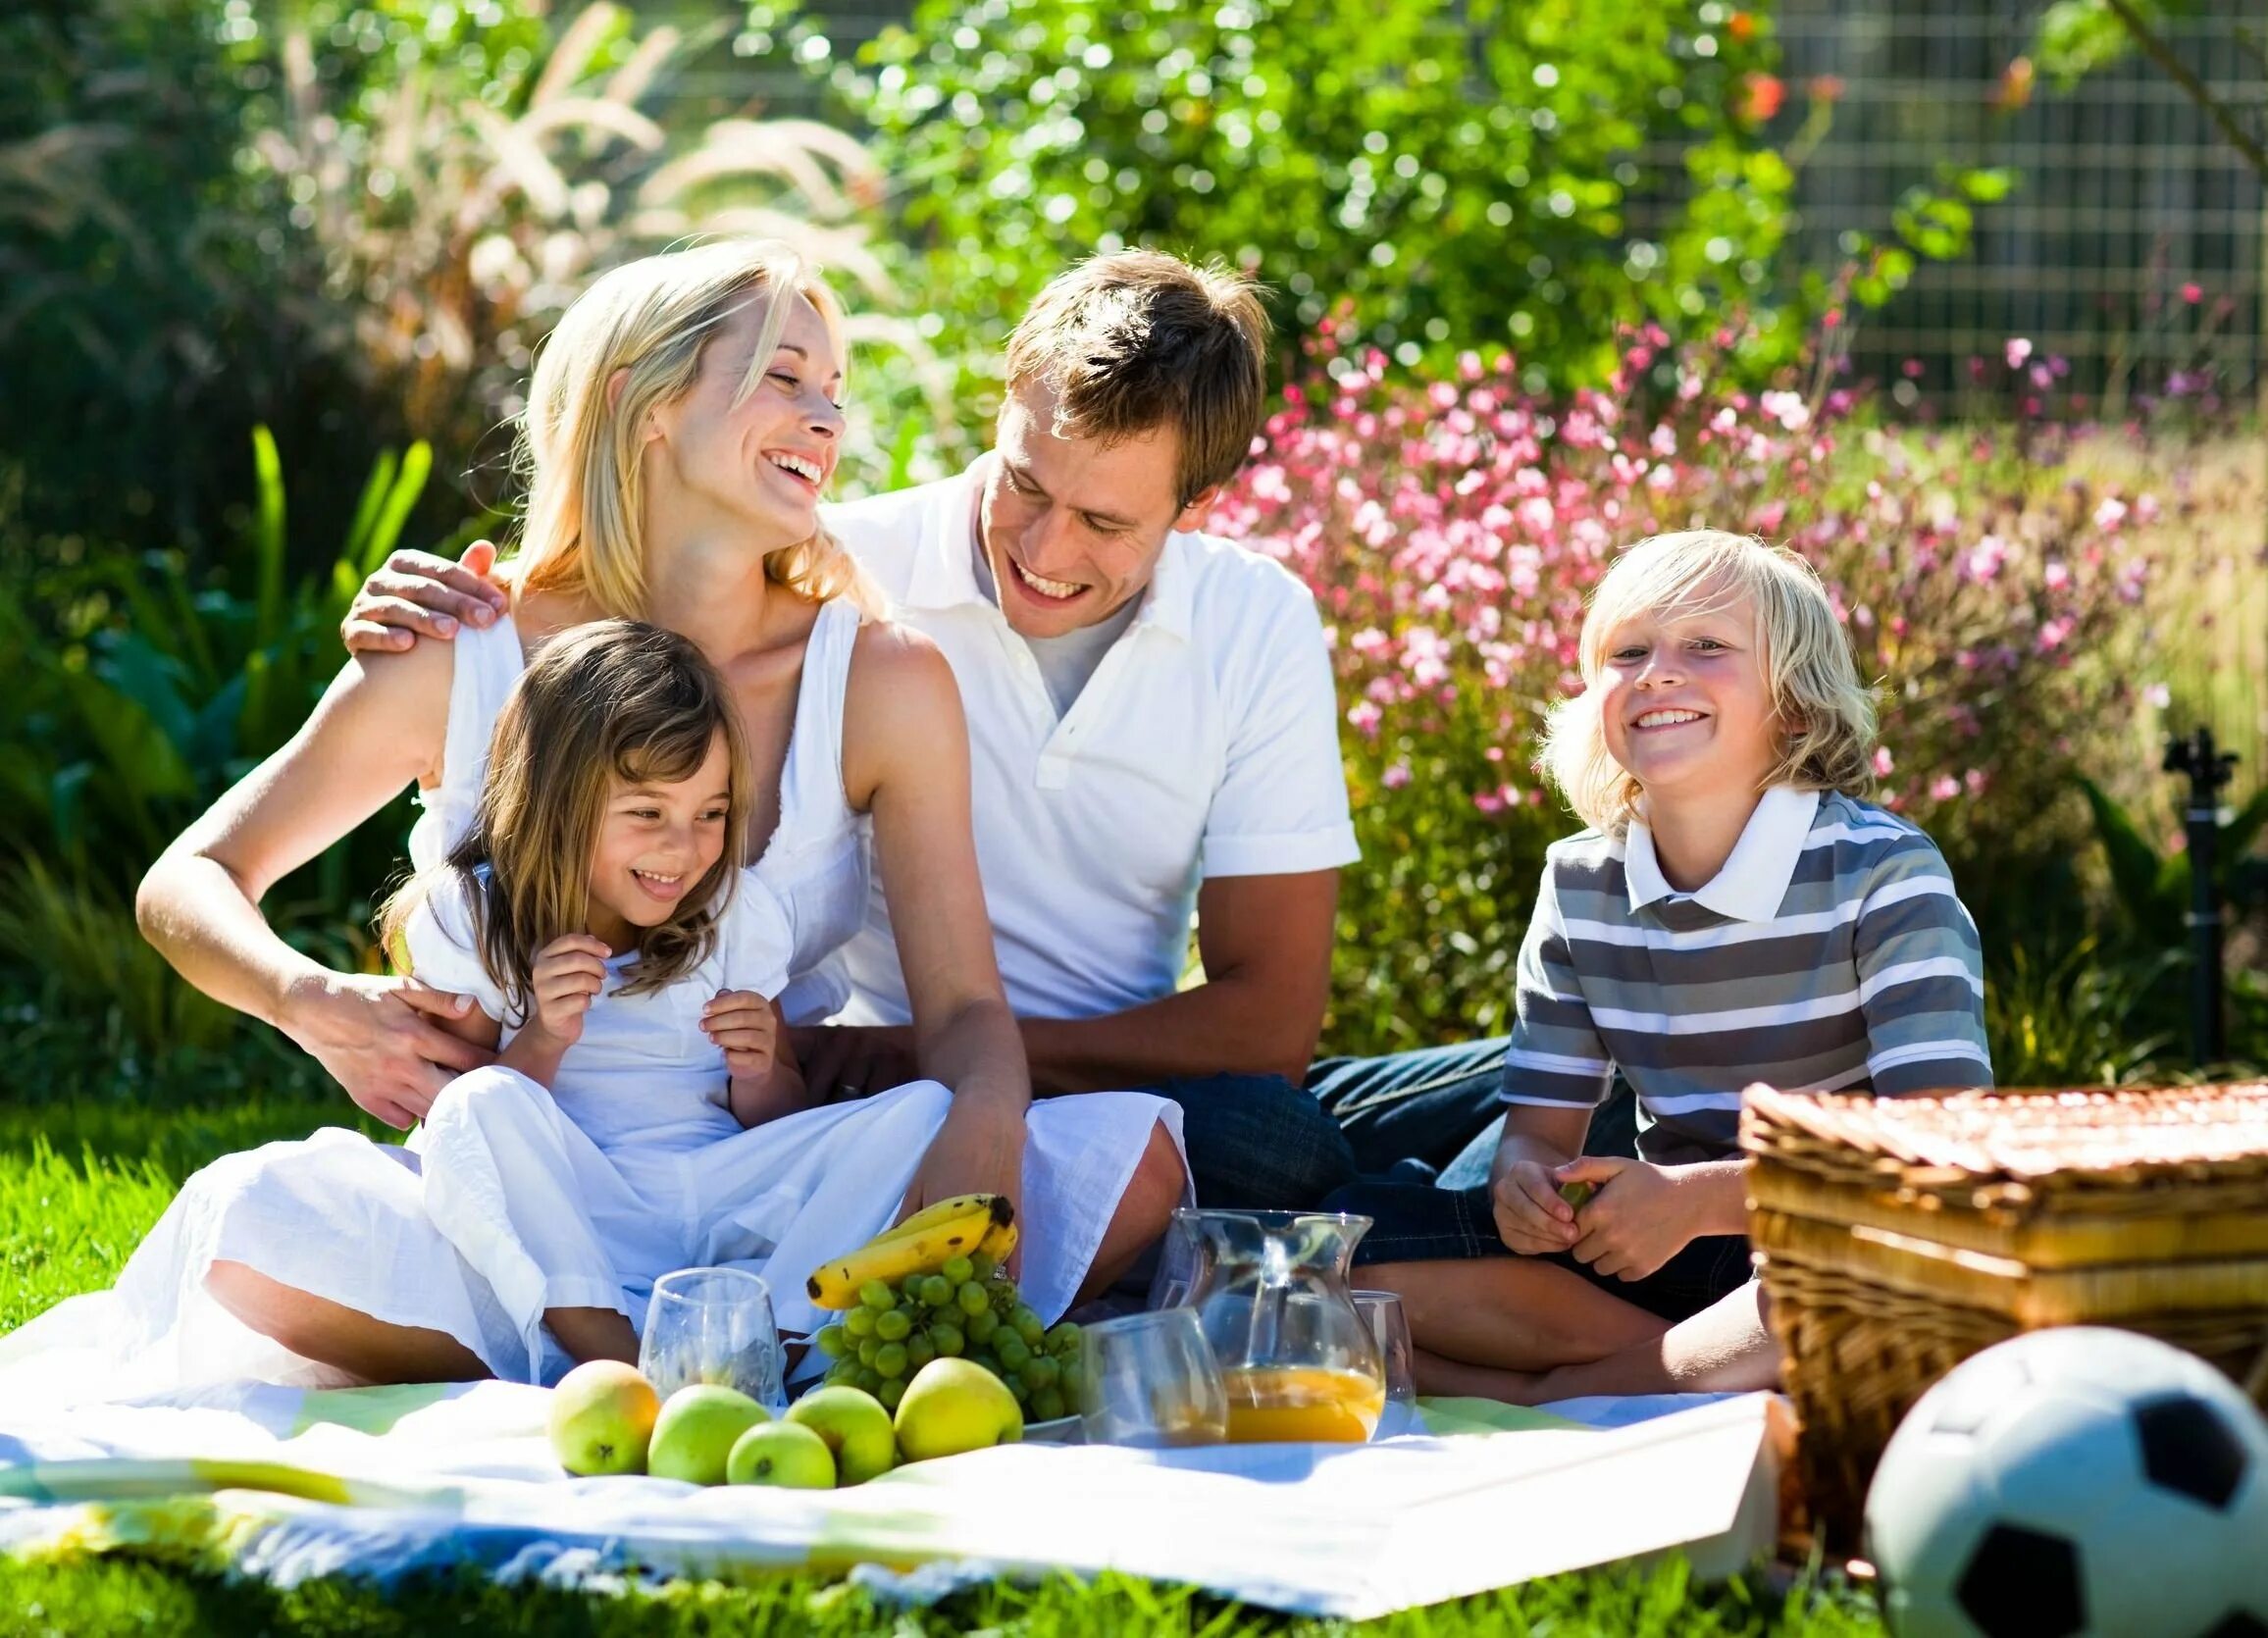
(80, 1183)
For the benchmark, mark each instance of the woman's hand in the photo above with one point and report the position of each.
(570, 973)
(378, 1039)
(845, 1061)
(1641, 1217)
(741, 1023)
(978, 1151)
(415, 593)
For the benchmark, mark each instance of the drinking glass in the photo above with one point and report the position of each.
(1381, 1310)
(713, 1325)
(1150, 1380)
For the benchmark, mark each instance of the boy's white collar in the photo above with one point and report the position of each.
(1755, 878)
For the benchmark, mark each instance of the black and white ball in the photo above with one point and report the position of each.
(2074, 1483)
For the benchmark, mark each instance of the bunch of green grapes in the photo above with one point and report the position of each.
(971, 1310)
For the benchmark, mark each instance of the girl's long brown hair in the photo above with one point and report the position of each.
(617, 699)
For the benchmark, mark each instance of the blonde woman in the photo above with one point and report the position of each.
(1738, 912)
(682, 424)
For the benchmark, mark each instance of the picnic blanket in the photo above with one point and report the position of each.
(287, 1483)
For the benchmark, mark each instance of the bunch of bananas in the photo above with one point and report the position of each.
(964, 1226)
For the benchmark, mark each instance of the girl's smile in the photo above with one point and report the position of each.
(657, 840)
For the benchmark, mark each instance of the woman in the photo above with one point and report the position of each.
(682, 424)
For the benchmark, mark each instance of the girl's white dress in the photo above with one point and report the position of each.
(512, 1199)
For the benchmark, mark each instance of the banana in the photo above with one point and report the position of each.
(940, 1211)
(999, 1239)
(908, 1251)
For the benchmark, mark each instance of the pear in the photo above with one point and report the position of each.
(954, 1406)
(782, 1454)
(856, 1427)
(693, 1436)
(603, 1415)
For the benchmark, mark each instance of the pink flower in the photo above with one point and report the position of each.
(2157, 696)
(2193, 293)
(2017, 351)
(1365, 717)
(1883, 762)
(2111, 513)
(1944, 787)
(1395, 777)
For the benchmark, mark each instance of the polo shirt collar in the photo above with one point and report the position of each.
(1754, 880)
(945, 557)
(945, 562)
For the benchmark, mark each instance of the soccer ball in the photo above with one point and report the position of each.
(2074, 1483)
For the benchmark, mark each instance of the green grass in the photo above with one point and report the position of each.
(80, 1183)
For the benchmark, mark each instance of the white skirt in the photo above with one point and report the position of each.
(386, 1231)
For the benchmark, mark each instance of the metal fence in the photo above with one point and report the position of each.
(2133, 247)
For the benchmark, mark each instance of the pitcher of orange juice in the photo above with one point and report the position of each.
(1271, 1293)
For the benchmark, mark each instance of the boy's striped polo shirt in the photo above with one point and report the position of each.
(1831, 954)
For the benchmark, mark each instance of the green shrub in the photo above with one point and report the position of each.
(1468, 174)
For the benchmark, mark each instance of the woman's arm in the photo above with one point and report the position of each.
(377, 728)
(905, 761)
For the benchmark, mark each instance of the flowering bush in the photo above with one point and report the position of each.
(1450, 529)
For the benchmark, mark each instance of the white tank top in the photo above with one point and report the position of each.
(817, 862)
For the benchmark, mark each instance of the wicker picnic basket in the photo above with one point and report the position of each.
(1898, 1236)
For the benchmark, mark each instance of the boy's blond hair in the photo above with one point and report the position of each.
(1827, 715)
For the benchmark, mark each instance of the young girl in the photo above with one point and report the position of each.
(1738, 912)
(626, 969)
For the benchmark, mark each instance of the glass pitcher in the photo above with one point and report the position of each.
(1270, 1291)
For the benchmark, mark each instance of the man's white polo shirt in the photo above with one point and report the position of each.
(1205, 745)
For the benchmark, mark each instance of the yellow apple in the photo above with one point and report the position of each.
(954, 1406)
(601, 1417)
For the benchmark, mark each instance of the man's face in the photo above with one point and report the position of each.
(1073, 528)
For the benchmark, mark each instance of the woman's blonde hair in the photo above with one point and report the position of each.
(1827, 714)
(615, 699)
(581, 441)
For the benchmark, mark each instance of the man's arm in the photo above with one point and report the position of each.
(1266, 945)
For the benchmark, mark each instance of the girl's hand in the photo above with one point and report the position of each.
(743, 1024)
(1531, 1216)
(1636, 1221)
(570, 972)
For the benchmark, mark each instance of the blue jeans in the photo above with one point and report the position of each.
(1259, 1141)
(1410, 1115)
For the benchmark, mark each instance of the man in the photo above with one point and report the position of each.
(1153, 732)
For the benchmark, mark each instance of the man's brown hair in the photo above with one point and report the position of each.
(1139, 340)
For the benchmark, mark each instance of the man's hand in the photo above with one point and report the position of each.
(741, 1023)
(377, 1038)
(1639, 1218)
(843, 1062)
(570, 973)
(415, 593)
(1531, 1216)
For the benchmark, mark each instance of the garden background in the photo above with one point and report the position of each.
(1962, 301)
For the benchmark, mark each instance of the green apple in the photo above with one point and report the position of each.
(692, 1438)
(954, 1406)
(603, 1415)
(857, 1429)
(782, 1454)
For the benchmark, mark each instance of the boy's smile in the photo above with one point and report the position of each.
(1685, 706)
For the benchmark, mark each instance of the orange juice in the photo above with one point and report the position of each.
(1283, 1404)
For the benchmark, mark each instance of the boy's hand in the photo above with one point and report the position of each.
(1636, 1222)
(742, 1022)
(569, 972)
(1531, 1216)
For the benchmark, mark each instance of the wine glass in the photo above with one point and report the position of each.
(1150, 1380)
(1382, 1312)
(713, 1325)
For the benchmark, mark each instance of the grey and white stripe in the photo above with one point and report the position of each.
(1869, 976)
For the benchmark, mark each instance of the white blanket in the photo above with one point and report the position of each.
(286, 1483)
